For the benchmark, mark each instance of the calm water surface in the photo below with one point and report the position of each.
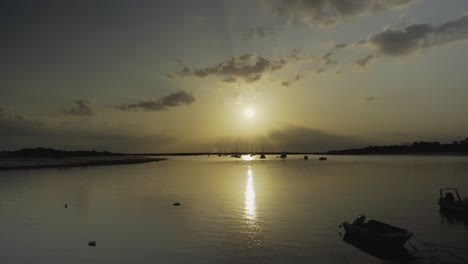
(232, 211)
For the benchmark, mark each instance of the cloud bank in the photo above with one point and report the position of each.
(323, 13)
(248, 68)
(402, 42)
(83, 108)
(173, 100)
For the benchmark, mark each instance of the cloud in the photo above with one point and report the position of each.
(83, 108)
(291, 82)
(302, 139)
(18, 132)
(173, 100)
(324, 13)
(395, 42)
(341, 46)
(248, 68)
(319, 70)
(12, 125)
(257, 32)
(328, 60)
(362, 62)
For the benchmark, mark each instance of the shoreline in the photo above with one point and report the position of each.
(68, 162)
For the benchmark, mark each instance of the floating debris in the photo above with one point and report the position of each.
(176, 204)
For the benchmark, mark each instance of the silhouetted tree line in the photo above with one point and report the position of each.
(53, 153)
(416, 147)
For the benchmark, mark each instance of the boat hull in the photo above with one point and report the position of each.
(457, 206)
(388, 239)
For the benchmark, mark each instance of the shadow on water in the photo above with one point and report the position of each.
(453, 218)
(389, 253)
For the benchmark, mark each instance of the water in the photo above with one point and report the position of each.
(232, 211)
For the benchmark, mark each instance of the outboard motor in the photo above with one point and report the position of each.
(360, 220)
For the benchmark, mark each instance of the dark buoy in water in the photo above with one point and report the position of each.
(92, 243)
(66, 205)
(176, 204)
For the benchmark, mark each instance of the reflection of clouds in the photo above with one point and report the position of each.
(250, 210)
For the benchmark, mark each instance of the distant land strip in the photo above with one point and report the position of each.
(421, 147)
(51, 158)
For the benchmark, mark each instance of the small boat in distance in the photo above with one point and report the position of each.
(322, 158)
(377, 232)
(283, 155)
(447, 201)
(306, 157)
(262, 156)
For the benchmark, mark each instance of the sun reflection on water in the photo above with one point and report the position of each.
(250, 209)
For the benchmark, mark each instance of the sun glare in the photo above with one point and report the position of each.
(249, 113)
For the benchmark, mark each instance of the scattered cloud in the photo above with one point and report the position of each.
(291, 82)
(319, 70)
(325, 13)
(328, 60)
(12, 124)
(173, 100)
(341, 46)
(83, 108)
(248, 68)
(362, 62)
(257, 32)
(396, 42)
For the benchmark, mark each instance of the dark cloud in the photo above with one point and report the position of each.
(230, 80)
(18, 132)
(291, 82)
(83, 108)
(248, 68)
(393, 42)
(289, 138)
(299, 138)
(175, 99)
(320, 70)
(12, 125)
(257, 32)
(328, 60)
(330, 12)
(362, 62)
(341, 46)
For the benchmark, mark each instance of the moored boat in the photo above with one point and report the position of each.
(322, 158)
(377, 232)
(448, 201)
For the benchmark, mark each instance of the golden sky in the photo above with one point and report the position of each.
(284, 75)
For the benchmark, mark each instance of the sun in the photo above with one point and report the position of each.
(249, 112)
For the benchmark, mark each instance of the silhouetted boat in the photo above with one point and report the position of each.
(306, 157)
(322, 158)
(263, 156)
(377, 232)
(283, 155)
(397, 253)
(447, 201)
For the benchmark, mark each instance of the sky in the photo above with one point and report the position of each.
(213, 75)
